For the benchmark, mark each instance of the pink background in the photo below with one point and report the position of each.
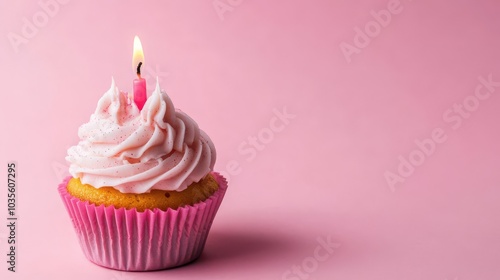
(321, 175)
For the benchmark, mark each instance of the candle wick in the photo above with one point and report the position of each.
(139, 69)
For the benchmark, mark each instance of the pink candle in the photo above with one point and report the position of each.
(140, 94)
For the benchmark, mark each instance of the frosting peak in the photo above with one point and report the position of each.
(137, 151)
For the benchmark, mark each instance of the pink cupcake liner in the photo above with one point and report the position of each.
(141, 241)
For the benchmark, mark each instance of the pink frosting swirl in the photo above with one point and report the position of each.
(137, 151)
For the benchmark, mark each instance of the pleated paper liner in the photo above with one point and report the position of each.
(141, 241)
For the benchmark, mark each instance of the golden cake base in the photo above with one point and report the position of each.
(163, 200)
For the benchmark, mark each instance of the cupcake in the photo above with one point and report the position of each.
(142, 193)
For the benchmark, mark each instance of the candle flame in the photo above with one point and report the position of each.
(138, 55)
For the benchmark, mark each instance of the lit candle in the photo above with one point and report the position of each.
(140, 94)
